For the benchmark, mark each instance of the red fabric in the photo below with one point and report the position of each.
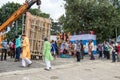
(92, 32)
(118, 49)
(13, 46)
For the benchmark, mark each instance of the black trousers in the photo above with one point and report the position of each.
(78, 56)
(4, 53)
(107, 53)
(113, 57)
(18, 51)
(100, 54)
(12, 53)
(82, 54)
(92, 56)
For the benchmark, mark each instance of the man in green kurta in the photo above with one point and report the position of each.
(47, 54)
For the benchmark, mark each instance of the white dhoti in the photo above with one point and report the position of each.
(48, 64)
(26, 61)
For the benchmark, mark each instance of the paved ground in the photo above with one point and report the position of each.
(64, 69)
(10, 65)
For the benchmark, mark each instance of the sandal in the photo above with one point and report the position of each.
(46, 69)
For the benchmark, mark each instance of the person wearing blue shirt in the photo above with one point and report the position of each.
(4, 49)
(53, 48)
(17, 46)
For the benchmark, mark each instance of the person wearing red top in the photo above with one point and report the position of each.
(12, 48)
(118, 52)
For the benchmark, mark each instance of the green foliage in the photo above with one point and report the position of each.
(56, 27)
(7, 9)
(37, 12)
(101, 16)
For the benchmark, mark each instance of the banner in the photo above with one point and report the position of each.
(83, 37)
(85, 40)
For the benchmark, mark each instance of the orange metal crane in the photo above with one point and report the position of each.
(19, 12)
(16, 15)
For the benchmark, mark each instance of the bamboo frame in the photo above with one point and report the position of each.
(36, 29)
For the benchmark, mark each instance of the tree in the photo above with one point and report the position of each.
(7, 9)
(56, 28)
(37, 12)
(97, 15)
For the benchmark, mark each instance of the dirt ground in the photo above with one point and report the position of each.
(10, 65)
(63, 69)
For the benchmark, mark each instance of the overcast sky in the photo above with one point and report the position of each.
(53, 7)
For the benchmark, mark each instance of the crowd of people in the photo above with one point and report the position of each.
(20, 46)
(109, 50)
(72, 49)
(15, 48)
(106, 50)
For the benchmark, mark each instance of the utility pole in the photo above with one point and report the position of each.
(23, 16)
(116, 33)
(16, 26)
